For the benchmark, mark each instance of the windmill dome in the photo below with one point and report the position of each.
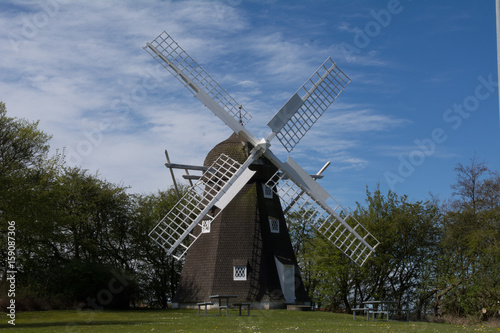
(233, 147)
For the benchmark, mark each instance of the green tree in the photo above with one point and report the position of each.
(335, 276)
(65, 218)
(409, 234)
(95, 218)
(400, 268)
(83, 229)
(22, 145)
(470, 261)
(157, 273)
(25, 172)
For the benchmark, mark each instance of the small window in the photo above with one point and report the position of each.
(274, 225)
(268, 192)
(205, 226)
(240, 273)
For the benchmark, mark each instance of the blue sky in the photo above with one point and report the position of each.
(423, 95)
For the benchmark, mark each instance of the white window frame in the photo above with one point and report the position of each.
(205, 226)
(267, 191)
(240, 272)
(274, 225)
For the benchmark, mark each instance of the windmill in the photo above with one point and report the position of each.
(231, 221)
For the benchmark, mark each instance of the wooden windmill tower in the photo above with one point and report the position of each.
(231, 222)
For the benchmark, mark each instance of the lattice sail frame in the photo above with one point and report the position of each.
(179, 63)
(347, 234)
(308, 104)
(177, 228)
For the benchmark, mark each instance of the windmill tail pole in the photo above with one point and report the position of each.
(173, 176)
(327, 164)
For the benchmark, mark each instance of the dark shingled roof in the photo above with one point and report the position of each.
(233, 147)
(241, 235)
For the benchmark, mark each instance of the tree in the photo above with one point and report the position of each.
(95, 218)
(75, 231)
(25, 171)
(64, 218)
(158, 274)
(83, 230)
(399, 269)
(409, 234)
(469, 182)
(471, 247)
(334, 274)
(22, 145)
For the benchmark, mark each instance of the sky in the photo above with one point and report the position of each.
(423, 94)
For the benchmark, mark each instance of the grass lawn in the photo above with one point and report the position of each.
(188, 321)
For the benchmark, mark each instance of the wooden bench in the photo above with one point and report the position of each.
(361, 309)
(240, 305)
(205, 304)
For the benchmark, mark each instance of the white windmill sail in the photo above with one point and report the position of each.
(215, 188)
(308, 104)
(297, 190)
(171, 56)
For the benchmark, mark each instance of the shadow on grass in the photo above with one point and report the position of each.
(75, 323)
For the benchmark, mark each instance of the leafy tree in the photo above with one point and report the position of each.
(157, 273)
(83, 229)
(470, 261)
(22, 145)
(335, 276)
(408, 233)
(25, 172)
(64, 217)
(95, 218)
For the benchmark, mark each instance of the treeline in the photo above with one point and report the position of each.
(82, 242)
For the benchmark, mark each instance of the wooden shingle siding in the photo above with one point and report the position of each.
(241, 235)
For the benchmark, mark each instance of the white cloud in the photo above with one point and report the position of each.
(83, 67)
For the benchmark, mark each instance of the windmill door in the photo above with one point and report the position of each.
(286, 273)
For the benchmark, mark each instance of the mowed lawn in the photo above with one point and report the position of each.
(189, 321)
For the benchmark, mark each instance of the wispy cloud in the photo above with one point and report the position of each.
(84, 66)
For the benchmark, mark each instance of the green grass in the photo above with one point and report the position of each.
(188, 321)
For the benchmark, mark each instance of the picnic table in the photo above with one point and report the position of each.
(223, 303)
(220, 299)
(379, 307)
